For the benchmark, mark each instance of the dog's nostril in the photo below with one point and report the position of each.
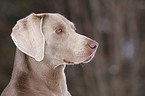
(92, 45)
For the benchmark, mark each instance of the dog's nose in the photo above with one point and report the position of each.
(93, 44)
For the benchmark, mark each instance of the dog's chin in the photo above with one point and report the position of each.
(86, 60)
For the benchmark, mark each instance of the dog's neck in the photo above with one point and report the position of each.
(36, 76)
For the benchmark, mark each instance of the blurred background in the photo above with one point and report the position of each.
(118, 69)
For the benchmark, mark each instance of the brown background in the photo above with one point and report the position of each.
(118, 68)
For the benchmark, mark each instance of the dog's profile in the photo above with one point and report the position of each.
(46, 43)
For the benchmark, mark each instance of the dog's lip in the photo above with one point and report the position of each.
(68, 62)
(85, 61)
(88, 59)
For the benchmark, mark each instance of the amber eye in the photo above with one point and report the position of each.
(60, 30)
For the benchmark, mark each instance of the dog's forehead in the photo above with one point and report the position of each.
(60, 18)
(65, 19)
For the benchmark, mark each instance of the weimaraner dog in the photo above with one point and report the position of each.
(46, 43)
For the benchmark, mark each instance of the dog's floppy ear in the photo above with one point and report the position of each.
(28, 37)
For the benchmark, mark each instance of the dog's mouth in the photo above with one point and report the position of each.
(88, 59)
(67, 61)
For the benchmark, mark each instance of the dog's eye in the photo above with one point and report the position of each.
(59, 30)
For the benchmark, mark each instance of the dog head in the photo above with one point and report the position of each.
(52, 35)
